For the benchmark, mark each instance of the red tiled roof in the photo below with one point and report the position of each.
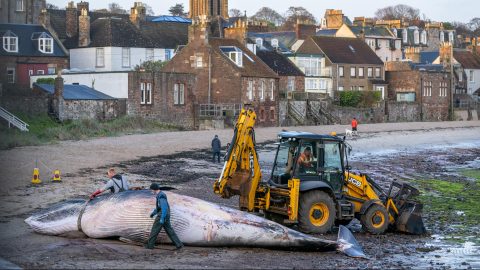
(467, 59)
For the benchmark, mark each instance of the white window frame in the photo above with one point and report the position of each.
(442, 36)
(309, 65)
(49, 70)
(179, 94)
(11, 77)
(10, 43)
(311, 84)
(142, 93)
(149, 54)
(427, 89)
(40, 72)
(100, 57)
(323, 85)
(45, 44)
(259, 42)
(416, 37)
(126, 57)
(443, 89)
(405, 35)
(340, 88)
(353, 72)
(274, 43)
(272, 90)
(148, 94)
(290, 84)
(370, 72)
(472, 76)
(450, 37)
(236, 57)
(250, 94)
(168, 55)
(19, 5)
(261, 91)
(341, 71)
(361, 73)
(199, 61)
(423, 37)
(378, 72)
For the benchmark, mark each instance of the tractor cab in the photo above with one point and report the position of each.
(316, 160)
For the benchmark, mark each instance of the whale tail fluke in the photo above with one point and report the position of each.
(347, 243)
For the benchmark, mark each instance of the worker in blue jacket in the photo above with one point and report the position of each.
(162, 210)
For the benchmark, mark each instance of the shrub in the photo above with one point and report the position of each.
(359, 98)
(46, 80)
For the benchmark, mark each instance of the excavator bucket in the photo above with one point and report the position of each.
(409, 219)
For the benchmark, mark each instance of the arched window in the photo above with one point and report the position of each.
(259, 42)
(275, 43)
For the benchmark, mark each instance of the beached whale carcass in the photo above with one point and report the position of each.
(196, 222)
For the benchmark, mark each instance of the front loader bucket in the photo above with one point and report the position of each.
(410, 218)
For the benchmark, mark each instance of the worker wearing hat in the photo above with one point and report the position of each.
(162, 211)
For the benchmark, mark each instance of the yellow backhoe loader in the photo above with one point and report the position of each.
(311, 184)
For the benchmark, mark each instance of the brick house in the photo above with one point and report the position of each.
(209, 78)
(423, 91)
(337, 64)
(27, 50)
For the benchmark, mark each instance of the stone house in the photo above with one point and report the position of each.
(27, 50)
(335, 64)
(208, 79)
(21, 11)
(72, 102)
(418, 93)
(104, 42)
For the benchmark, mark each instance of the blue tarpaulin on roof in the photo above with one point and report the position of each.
(176, 19)
(76, 91)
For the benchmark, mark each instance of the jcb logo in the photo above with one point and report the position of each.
(355, 182)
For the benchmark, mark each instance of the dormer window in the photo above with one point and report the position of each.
(416, 36)
(405, 36)
(423, 37)
(442, 36)
(45, 42)
(234, 54)
(394, 30)
(10, 42)
(275, 43)
(259, 42)
(450, 37)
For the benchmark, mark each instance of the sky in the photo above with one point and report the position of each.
(436, 10)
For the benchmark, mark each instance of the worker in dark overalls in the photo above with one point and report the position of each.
(162, 211)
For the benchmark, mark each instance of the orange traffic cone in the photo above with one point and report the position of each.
(36, 176)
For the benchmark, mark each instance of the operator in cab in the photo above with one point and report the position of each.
(305, 160)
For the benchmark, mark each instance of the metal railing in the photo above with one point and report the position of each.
(219, 110)
(13, 120)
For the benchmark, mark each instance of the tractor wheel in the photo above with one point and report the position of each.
(375, 219)
(316, 213)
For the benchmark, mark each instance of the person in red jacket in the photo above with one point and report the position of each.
(354, 126)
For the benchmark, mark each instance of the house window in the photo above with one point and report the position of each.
(309, 65)
(275, 43)
(353, 72)
(10, 42)
(471, 79)
(416, 36)
(125, 57)
(51, 70)
(427, 89)
(370, 72)
(340, 71)
(142, 93)
(405, 35)
(19, 6)
(40, 72)
(179, 94)
(406, 97)
(360, 72)
(11, 75)
(443, 89)
(272, 90)
(423, 37)
(450, 37)
(148, 94)
(340, 88)
(323, 85)
(311, 84)
(149, 54)
(250, 90)
(398, 44)
(377, 72)
(198, 61)
(168, 55)
(360, 88)
(387, 44)
(291, 84)
(259, 42)
(100, 57)
(262, 91)
(442, 36)
(45, 44)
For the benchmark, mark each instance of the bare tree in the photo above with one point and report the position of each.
(461, 28)
(269, 15)
(294, 14)
(149, 10)
(52, 6)
(116, 8)
(235, 13)
(398, 12)
(474, 25)
(178, 10)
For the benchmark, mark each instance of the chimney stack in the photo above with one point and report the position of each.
(304, 29)
(413, 54)
(71, 20)
(58, 92)
(84, 28)
(83, 5)
(138, 13)
(44, 19)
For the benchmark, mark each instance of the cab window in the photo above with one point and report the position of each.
(307, 159)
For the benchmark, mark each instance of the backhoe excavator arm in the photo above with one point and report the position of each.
(241, 172)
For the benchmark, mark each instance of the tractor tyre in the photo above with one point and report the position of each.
(375, 220)
(316, 212)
